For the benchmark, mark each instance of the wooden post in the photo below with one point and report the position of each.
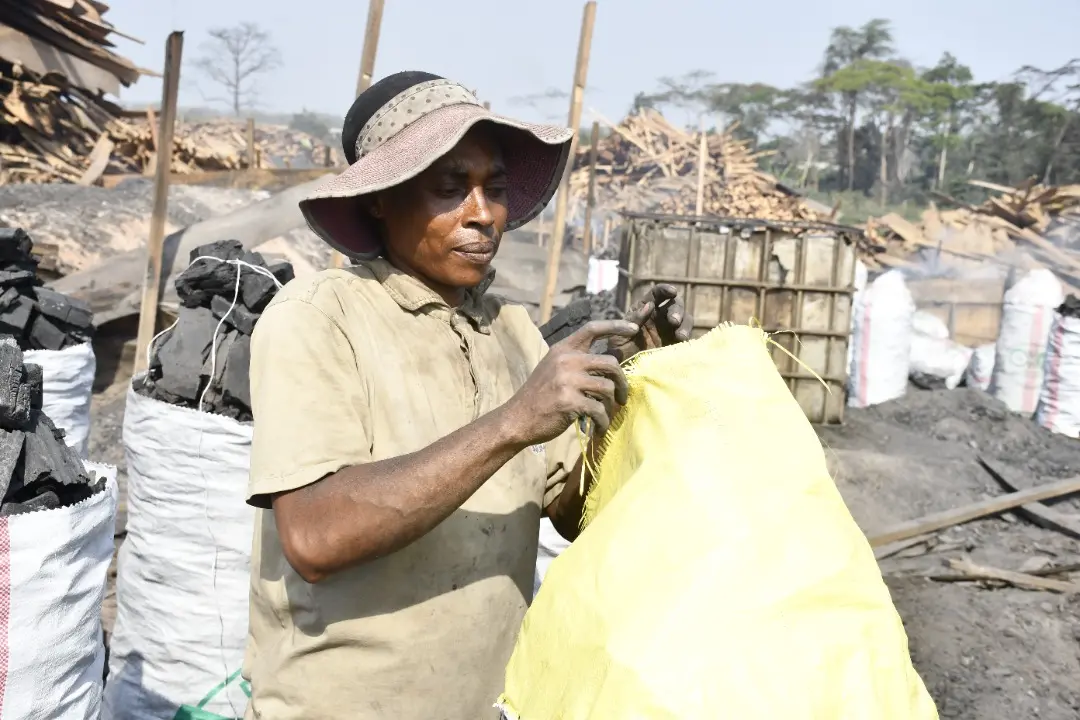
(371, 45)
(151, 119)
(607, 231)
(703, 155)
(563, 198)
(328, 158)
(367, 70)
(590, 199)
(251, 144)
(174, 48)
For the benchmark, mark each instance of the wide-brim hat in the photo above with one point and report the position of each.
(401, 125)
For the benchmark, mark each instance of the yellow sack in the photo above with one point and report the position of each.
(719, 574)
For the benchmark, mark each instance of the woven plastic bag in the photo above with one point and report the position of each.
(719, 573)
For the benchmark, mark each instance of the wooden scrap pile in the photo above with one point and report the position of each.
(56, 65)
(648, 164)
(1028, 226)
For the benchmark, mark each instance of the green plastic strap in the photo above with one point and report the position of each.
(221, 686)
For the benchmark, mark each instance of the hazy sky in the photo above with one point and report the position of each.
(511, 48)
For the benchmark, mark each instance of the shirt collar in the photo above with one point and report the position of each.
(413, 295)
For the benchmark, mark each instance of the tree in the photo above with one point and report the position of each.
(233, 59)
(948, 88)
(872, 41)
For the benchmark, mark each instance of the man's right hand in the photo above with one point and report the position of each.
(571, 382)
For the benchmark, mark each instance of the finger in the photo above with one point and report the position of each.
(685, 328)
(595, 411)
(664, 291)
(595, 330)
(602, 389)
(641, 313)
(608, 367)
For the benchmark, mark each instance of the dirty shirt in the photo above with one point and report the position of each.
(365, 364)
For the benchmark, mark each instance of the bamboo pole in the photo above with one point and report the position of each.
(562, 200)
(174, 48)
(590, 199)
(251, 143)
(367, 69)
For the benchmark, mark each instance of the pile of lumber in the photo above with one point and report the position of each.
(648, 164)
(1027, 226)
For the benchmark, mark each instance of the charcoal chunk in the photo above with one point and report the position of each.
(222, 249)
(235, 382)
(182, 352)
(283, 271)
(256, 291)
(15, 244)
(567, 321)
(14, 395)
(34, 378)
(45, 456)
(46, 336)
(17, 278)
(63, 309)
(239, 317)
(204, 279)
(253, 258)
(8, 297)
(48, 500)
(16, 319)
(11, 446)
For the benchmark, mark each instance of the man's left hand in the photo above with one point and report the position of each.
(663, 321)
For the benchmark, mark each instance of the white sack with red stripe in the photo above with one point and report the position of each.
(53, 569)
(1021, 345)
(880, 341)
(1059, 401)
(981, 367)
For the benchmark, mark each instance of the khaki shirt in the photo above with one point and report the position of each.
(366, 364)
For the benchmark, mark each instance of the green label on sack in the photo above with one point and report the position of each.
(199, 712)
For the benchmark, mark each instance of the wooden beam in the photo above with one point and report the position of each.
(99, 160)
(590, 200)
(174, 48)
(974, 511)
(251, 143)
(971, 571)
(558, 232)
(1036, 513)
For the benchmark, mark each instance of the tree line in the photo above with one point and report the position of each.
(872, 122)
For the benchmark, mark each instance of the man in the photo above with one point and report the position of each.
(410, 429)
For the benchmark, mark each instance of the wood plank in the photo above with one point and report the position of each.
(1036, 513)
(974, 511)
(973, 571)
(99, 160)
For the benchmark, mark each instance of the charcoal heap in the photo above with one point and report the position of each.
(183, 361)
(1071, 306)
(38, 471)
(38, 318)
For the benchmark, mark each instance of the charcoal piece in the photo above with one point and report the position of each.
(235, 382)
(1071, 306)
(182, 352)
(15, 244)
(283, 271)
(11, 445)
(253, 258)
(46, 456)
(14, 394)
(17, 278)
(239, 317)
(567, 321)
(48, 500)
(34, 379)
(45, 336)
(61, 308)
(257, 290)
(9, 296)
(204, 279)
(16, 319)
(222, 249)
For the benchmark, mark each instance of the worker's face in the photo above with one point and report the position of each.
(445, 224)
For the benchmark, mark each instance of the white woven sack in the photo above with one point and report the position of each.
(1059, 400)
(53, 568)
(881, 341)
(183, 570)
(933, 353)
(1021, 345)
(981, 367)
(68, 377)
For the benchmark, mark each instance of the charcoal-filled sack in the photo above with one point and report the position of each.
(54, 564)
(182, 571)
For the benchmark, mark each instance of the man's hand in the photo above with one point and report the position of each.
(571, 382)
(663, 321)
